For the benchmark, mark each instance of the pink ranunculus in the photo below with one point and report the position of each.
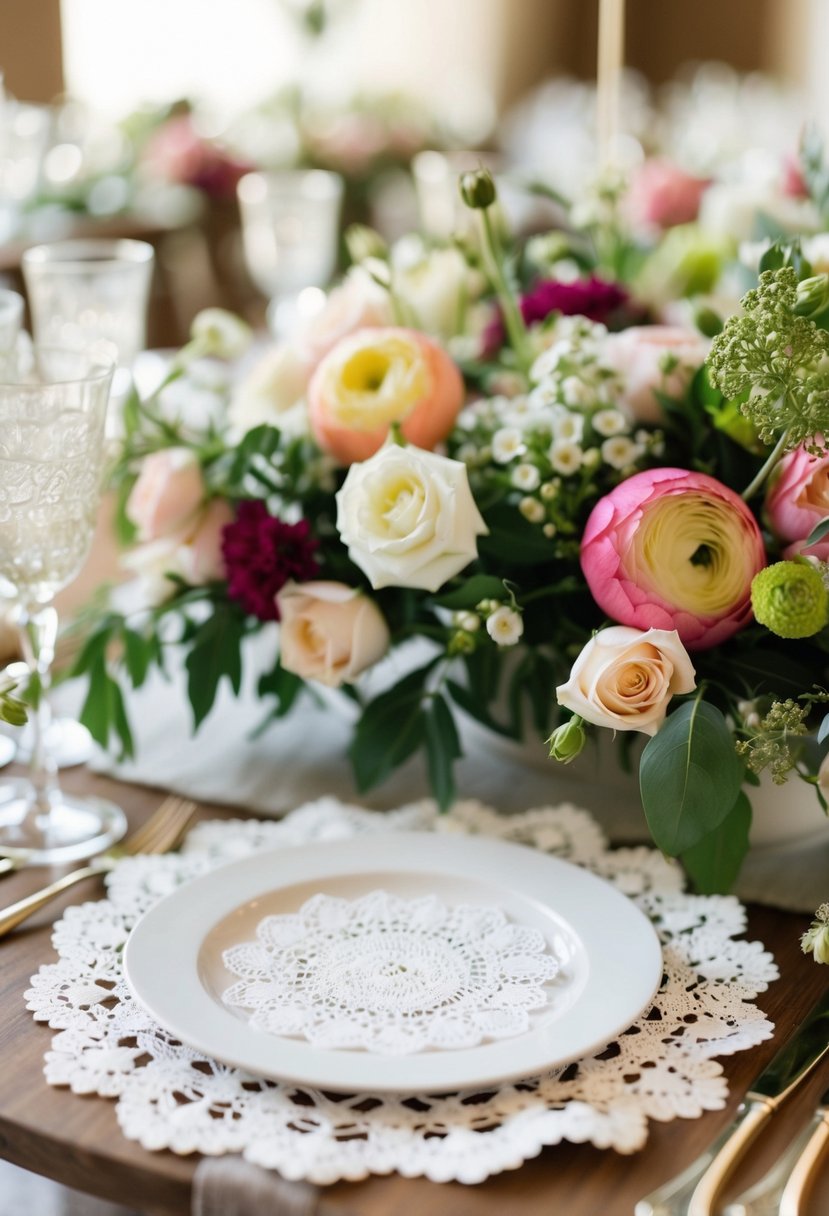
(168, 493)
(329, 632)
(662, 195)
(377, 377)
(798, 500)
(674, 549)
(641, 356)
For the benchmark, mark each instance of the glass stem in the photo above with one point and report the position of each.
(38, 633)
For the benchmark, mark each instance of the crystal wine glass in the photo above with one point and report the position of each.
(290, 227)
(51, 463)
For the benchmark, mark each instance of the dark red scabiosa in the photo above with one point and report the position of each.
(594, 298)
(262, 554)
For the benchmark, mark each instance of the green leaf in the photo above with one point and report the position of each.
(478, 587)
(390, 730)
(513, 539)
(284, 687)
(104, 711)
(138, 654)
(714, 862)
(476, 709)
(768, 671)
(215, 653)
(443, 748)
(689, 777)
(819, 532)
(823, 729)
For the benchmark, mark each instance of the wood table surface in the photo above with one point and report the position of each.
(76, 1140)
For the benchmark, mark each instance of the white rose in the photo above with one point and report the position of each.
(624, 678)
(408, 518)
(219, 333)
(436, 291)
(273, 394)
(329, 632)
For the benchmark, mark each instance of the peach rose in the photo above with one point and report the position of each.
(640, 356)
(624, 678)
(169, 491)
(377, 377)
(358, 303)
(329, 632)
(798, 500)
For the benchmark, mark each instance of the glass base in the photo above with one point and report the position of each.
(75, 827)
(67, 742)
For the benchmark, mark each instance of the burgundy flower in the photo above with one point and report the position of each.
(593, 298)
(262, 554)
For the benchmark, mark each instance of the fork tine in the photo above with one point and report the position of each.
(175, 831)
(163, 823)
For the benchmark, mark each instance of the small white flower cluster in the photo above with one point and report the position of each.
(504, 624)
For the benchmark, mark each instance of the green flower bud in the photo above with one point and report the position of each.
(12, 710)
(567, 741)
(708, 322)
(816, 938)
(363, 242)
(789, 598)
(812, 296)
(477, 189)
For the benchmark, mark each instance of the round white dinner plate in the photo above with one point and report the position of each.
(610, 960)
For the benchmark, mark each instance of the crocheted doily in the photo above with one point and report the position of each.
(169, 1097)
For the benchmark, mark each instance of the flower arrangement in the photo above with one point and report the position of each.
(589, 521)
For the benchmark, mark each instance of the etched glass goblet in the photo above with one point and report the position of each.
(51, 464)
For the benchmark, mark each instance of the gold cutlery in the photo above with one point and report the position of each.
(161, 833)
(782, 1191)
(696, 1191)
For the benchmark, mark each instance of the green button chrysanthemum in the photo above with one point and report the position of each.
(789, 598)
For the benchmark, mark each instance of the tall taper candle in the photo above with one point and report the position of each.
(611, 59)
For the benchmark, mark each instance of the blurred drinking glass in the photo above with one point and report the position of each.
(51, 463)
(25, 133)
(85, 293)
(290, 229)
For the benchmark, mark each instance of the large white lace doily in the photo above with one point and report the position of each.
(168, 1097)
(389, 975)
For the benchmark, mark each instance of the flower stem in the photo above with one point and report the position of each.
(514, 322)
(775, 454)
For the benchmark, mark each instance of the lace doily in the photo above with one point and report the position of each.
(390, 975)
(168, 1097)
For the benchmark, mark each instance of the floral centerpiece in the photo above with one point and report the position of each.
(590, 521)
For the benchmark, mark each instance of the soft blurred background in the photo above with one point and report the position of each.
(138, 118)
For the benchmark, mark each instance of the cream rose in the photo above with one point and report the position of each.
(358, 303)
(436, 291)
(169, 491)
(408, 518)
(329, 632)
(273, 394)
(624, 678)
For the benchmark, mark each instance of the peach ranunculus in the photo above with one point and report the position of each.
(662, 195)
(674, 549)
(624, 678)
(273, 394)
(653, 357)
(167, 494)
(329, 632)
(798, 499)
(357, 303)
(377, 377)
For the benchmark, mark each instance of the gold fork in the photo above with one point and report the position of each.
(162, 832)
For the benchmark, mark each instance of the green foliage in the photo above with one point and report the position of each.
(215, 654)
(714, 862)
(689, 777)
(391, 729)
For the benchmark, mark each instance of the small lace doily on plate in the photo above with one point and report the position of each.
(389, 975)
(169, 1097)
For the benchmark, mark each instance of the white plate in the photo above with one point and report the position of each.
(609, 955)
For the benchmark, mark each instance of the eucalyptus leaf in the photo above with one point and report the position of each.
(819, 532)
(714, 862)
(443, 748)
(689, 777)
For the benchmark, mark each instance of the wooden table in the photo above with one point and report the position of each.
(76, 1141)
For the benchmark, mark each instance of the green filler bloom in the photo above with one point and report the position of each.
(789, 598)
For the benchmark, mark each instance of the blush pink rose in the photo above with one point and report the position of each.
(662, 195)
(651, 358)
(674, 549)
(798, 500)
(169, 491)
(201, 552)
(377, 377)
(329, 632)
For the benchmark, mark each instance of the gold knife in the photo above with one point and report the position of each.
(695, 1192)
(782, 1191)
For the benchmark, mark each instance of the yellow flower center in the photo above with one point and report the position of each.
(377, 383)
(691, 551)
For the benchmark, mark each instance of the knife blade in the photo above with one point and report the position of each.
(784, 1188)
(696, 1190)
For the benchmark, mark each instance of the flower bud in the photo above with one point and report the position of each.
(363, 242)
(789, 598)
(12, 710)
(812, 296)
(815, 940)
(567, 741)
(477, 189)
(708, 322)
